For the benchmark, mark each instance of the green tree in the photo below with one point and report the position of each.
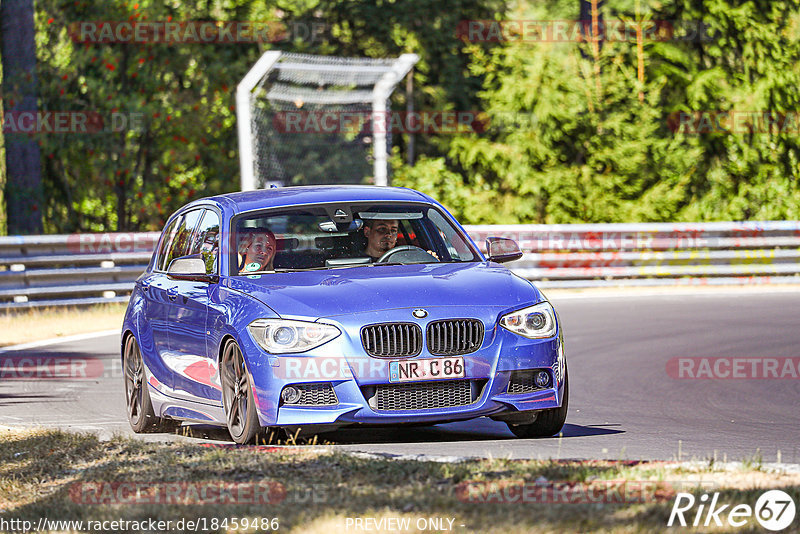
(601, 146)
(749, 63)
(574, 132)
(184, 143)
(178, 140)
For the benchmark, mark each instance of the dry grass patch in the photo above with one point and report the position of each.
(76, 477)
(24, 326)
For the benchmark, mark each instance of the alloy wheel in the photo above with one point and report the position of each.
(235, 390)
(134, 381)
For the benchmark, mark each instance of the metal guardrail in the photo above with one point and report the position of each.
(650, 254)
(75, 269)
(94, 268)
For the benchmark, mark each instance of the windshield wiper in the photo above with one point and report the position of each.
(248, 273)
(299, 270)
(324, 268)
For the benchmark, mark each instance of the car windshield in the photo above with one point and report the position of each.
(329, 236)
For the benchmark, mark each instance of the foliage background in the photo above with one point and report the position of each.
(592, 150)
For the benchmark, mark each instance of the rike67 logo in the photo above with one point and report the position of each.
(774, 510)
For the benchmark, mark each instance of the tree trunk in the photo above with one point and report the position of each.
(23, 190)
(592, 24)
(593, 30)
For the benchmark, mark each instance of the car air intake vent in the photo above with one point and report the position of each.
(424, 395)
(392, 340)
(522, 382)
(454, 336)
(316, 395)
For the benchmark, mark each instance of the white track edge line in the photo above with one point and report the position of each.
(57, 340)
(621, 294)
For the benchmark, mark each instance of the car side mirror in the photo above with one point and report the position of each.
(502, 249)
(191, 268)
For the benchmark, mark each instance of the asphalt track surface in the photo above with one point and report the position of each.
(623, 405)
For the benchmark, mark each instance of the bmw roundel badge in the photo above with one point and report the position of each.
(419, 313)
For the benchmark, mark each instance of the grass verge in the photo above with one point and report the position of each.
(68, 476)
(24, 326)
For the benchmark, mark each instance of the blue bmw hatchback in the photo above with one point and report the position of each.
(319, 307)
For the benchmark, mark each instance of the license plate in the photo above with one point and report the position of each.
(431, 369)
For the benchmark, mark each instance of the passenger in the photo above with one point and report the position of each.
(381, 236)
(257, 248)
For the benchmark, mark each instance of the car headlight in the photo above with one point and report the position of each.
(533, 322)
(279, 336)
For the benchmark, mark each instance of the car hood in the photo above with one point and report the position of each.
(329, 293)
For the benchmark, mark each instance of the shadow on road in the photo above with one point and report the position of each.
(577, 431)
(14, 391)
(465, 431)
(24, 398)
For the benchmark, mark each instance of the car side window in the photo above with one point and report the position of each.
(166, 241)
(456, 246)
(206, 241)
(180, 243)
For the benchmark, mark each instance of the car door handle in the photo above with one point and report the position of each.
(172, 293)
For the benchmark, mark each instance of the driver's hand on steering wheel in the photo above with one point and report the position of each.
(432, 253)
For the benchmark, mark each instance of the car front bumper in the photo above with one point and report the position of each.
(353, 408)
(489, 369)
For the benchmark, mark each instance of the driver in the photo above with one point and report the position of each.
(381, 236)
(257, 250)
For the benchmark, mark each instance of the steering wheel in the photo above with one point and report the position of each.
(408, 254)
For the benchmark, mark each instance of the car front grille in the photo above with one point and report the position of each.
(424, 395)
(522, 382)
(392, 340)
(316, 395)
(454, 336)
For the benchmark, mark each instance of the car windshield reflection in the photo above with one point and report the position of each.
(323, 236)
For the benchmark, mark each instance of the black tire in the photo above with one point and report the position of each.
(237, 396)
(548, 422)
(141, 416)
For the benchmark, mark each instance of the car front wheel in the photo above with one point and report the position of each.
(237, 396)
(548, 422)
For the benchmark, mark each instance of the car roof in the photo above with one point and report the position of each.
(289, 196)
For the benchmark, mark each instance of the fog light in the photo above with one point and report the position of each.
(542, 379)
(290, 395)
